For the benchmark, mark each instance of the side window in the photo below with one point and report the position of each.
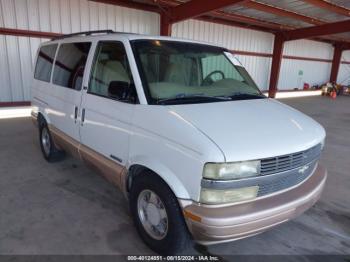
(44, 62)
(222, 66)
(111, 75)
(70, 65)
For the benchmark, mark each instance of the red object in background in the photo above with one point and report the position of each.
(333, 94)
(306, 86)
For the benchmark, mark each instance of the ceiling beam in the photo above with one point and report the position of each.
(232, 18)
(329, 6)
(250, 21)
(317, 31)
(282, 12)
(195, 8)
(343, 46)
(253, 23)
(246, 22)
(229, 22)
(27, 33)
(235, 19)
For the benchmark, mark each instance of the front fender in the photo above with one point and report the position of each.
(164, 172)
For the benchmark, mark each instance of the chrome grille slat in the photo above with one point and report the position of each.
(287, 162)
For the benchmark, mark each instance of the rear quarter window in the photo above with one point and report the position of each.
(44, 62)
(70, 64)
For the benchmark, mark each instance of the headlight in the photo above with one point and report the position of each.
(213, 196)
(237, 170)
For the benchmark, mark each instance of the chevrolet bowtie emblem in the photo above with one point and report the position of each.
(303, 169)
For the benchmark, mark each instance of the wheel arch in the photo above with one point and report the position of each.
(170, 179)
(42, 118)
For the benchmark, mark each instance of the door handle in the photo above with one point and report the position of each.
(116, 158)
(75, 114)
(82, 116)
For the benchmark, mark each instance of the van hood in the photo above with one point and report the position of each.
(253, 129)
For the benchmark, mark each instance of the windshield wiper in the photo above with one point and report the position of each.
(242, 96)
(193, 98)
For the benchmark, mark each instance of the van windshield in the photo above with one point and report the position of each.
(184, 73)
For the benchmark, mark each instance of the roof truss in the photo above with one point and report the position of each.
(329, 6)
(209, 10)
(282, 12)
(195, 8)
(316, 31)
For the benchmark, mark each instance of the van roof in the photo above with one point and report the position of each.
(109, 34)
(88, 33)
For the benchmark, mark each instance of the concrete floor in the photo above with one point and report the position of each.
(65, 208)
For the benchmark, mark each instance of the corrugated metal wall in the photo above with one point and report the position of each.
(17, 54)
(65, 16)
(233, 38)
(293, 72)
(344, 70)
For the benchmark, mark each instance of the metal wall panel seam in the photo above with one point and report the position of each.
(18, 51)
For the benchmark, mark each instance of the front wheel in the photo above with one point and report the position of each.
(157, 215)
(50, 152)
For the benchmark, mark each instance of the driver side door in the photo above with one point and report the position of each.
(105, 120)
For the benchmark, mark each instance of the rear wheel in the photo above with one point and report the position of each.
(157, 215)
(50, 152)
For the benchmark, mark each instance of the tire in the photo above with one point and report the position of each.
(176, 237)
(50, 152)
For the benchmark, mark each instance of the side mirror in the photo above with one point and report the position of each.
(121, 90)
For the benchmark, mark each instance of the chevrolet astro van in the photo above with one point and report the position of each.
(182, 129)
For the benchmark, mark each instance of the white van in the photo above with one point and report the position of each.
(182, 129)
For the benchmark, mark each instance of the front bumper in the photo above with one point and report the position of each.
(215, 224)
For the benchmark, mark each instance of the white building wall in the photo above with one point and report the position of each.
(294, 72)
(344, 70)
(308, 48)
(233, 38)
(17, 54)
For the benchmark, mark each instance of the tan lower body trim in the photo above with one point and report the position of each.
(63, 141)
(112, 171)
(108, 168)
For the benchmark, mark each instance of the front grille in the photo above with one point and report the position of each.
(284, 180)
(277, 173)
(283, 163)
